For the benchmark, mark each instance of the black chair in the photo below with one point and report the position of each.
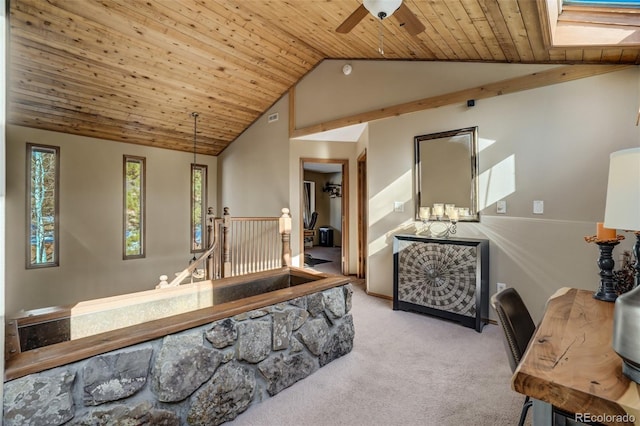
(518, 327)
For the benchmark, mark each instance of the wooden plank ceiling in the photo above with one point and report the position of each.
(135, 70)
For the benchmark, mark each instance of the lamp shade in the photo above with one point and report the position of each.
(622, 209)
(382, 8)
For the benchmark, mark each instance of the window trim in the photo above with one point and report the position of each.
(581, 27)
(143, 209)
(203, 208)
(56, 210)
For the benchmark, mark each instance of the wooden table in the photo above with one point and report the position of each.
(571, 365)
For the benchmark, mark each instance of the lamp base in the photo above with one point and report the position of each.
(632, 371)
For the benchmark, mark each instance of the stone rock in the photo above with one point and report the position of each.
(348, 295)
(141, 414)
(115, 376)
(228, 354)
(254, 341)
(228, 394)
(281, 330)
(339, 342)
(299, 302)
(314, 334)
(38, 400)
(182, 365)
(281, 371)
(334, 303)
(297, 317)
(258, 313)
(295, 345)
(315, 304)
(223, 333)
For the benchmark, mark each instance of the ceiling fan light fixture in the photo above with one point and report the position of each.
(382, 9)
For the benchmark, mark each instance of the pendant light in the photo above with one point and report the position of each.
(195, 127)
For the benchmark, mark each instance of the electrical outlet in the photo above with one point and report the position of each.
(501, 207)
(500, 287)
(398, 206)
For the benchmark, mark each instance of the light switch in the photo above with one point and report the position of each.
(501, 207)
(538, 207)
(398, 206)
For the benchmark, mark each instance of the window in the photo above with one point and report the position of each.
(43, 168)
(198, 207)
(133, 207)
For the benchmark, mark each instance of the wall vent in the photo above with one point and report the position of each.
(272, 117)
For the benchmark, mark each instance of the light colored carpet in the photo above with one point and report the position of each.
(405, 369)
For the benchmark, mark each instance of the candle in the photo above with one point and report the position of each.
(453, 215)
(605, 234)
(425, 213)
(438, 209)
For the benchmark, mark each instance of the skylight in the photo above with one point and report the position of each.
(601, 3)
(593, 23)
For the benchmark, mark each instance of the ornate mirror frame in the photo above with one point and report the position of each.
(446, 171)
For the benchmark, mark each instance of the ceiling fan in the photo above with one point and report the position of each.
(382, 9)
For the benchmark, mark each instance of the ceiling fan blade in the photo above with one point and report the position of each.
(352, 20)
(408, 20)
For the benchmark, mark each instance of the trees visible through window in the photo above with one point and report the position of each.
(43, 164)
(198, 207)
(133, 206)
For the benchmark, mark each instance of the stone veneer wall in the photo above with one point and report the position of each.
(203, 376)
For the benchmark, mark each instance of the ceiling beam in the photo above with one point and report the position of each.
(530, 81)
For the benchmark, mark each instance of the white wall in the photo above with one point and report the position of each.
(549, 144)
(254, 170)
(91, 217)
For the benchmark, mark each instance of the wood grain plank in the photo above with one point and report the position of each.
(534, 32)
(483, 28)
(231, 60)
(517, 29)
(570, 362)
(494, 15)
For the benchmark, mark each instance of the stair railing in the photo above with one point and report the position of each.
(240, 245)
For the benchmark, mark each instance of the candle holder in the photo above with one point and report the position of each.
(607, 287)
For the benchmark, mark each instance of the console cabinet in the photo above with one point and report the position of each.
(448, 278)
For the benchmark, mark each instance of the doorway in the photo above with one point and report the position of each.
(324, 244)
(363, 201)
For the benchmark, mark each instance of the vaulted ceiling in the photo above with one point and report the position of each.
(135, 70)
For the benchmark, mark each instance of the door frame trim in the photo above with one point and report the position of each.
(344, 205)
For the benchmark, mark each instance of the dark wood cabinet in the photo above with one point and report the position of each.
(448, 278)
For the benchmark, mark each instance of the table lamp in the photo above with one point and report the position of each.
(622, 212)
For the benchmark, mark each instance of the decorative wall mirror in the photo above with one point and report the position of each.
(446, 172)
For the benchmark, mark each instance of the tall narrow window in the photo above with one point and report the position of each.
(133, 206)
(43, 165)
(198, 207)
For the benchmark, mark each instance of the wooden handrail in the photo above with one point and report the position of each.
(189, 269)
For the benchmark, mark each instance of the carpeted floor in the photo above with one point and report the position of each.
(329, 256)
(405, 369)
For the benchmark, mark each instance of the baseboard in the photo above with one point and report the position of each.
(381, 296)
